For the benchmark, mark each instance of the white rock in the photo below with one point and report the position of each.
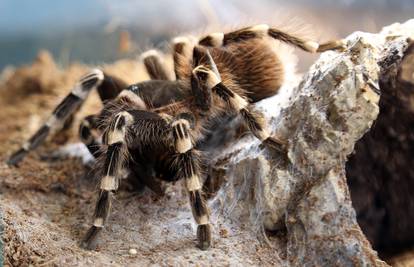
(132, 251)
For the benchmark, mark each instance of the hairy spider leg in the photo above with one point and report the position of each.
(115, 158)
(259, 31)
(108, 87)
(187, 160)
(155, 65)
(181, 52)
(209, 78)
(139, 174)
(60, 114)
(90, 131)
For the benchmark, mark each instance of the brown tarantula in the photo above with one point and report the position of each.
(155, 128)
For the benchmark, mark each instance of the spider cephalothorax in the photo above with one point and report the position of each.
(155, 128)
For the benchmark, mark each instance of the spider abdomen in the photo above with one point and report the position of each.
(253, 67)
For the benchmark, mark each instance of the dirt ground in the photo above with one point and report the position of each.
(47, 203)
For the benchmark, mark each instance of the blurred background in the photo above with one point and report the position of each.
(90, 31)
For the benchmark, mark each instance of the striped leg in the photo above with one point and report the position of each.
(62, 113)
(155, 65)
(260, 31)
(188, 164)
(115, 139)
(253, 119)
(108, 88)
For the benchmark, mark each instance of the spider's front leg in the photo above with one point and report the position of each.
(187, 162)
(114, 159)
(90, 129)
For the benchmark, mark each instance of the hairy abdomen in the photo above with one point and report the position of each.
(251, 68)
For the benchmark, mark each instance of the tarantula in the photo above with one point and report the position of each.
(155, 128)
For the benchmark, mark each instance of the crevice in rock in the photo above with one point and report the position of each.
(380, 172)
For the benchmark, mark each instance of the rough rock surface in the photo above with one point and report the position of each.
(332, 108)
(301, 198)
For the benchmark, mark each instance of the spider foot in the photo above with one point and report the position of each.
(16, 157)
(89, 242)
(204, 236)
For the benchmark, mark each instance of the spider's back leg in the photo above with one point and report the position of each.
(260, 31)
(181, 53)
(155, 65)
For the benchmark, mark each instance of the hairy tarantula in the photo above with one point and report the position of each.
(154, 128)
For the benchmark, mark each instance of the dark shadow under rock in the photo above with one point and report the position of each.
(380, 172)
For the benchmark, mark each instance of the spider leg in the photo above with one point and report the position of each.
(187, 161)
(62, 112)
(216, 177)
(139, 175)
(201, 83)
(252, 118)
(111, 89)
(108, 88)
(262, 30)
(181, 49)
(155, 66)
(114, 159)
(90, 136)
